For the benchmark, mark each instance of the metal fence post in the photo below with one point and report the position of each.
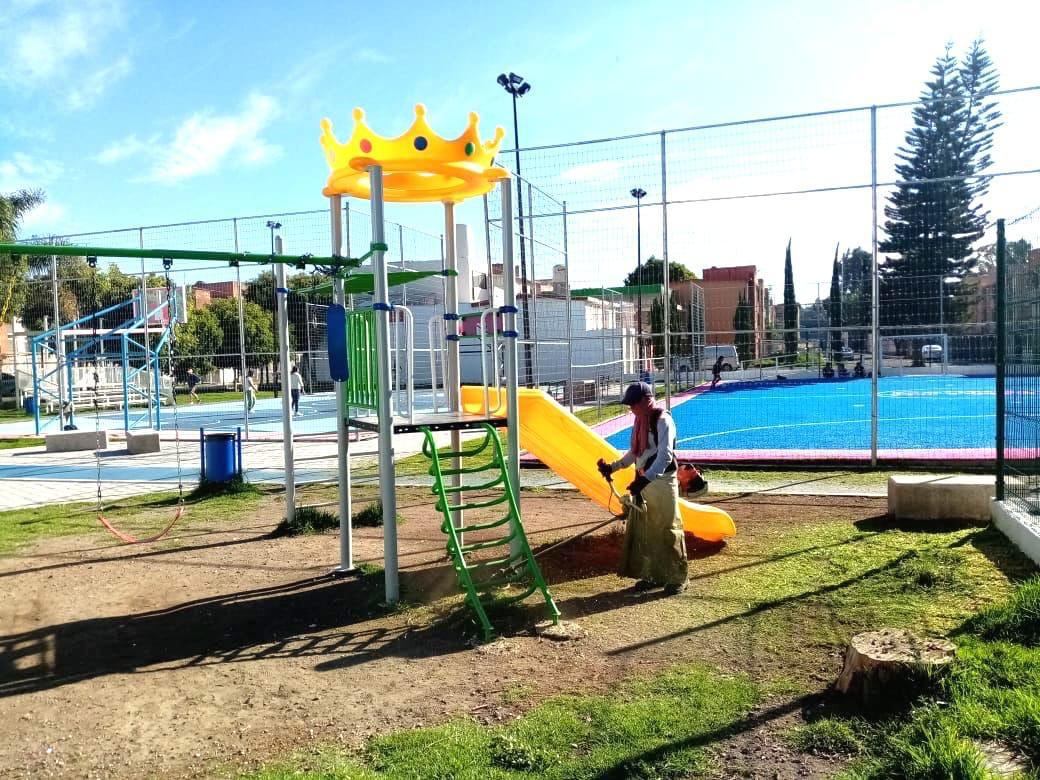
(281, 294)
(1001, 352)
(145, 309)
(241, 331)
(570, 325)
(875, 296)
(666, 283)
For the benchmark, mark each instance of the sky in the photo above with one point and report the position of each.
(130, 114)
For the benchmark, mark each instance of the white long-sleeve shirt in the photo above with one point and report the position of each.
(656, 457)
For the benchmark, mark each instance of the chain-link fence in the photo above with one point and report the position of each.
(1018, 440)
(821, 245)
(80, 352)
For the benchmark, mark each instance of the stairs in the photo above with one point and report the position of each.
(500, 576)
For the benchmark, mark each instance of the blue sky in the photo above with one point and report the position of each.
(133, 114)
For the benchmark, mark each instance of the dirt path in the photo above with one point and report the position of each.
(225, 645)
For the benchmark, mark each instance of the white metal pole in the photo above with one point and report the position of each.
(452, 374)
(510, 334)
(59, 342)
(381, 304)
(875, 287)
(145, 309)
(532, 281)
(241, 335)
(281, 294)
(346, 531)
(570, 336)
(666, 312)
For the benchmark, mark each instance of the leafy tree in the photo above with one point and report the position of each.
(934, 216)
(857, 296)
(652, 272)
(790, 309)
(681, 345)
(259, 334)
(743, 324)
(197, 342)
(14, 268)
(834, 305)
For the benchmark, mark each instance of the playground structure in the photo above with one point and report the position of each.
(83, 365)
(418, 167)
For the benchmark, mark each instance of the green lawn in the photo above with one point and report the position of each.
(220, 397)
(139, 515)
(25, 441)
(645, 728)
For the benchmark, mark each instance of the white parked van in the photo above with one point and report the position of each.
(728, 353)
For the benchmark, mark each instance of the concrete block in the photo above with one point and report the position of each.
(953, 497)
(1020, 527)
(140, 442)
(74, 441)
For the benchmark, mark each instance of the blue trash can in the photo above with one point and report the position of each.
(219, 457)
(29, 403)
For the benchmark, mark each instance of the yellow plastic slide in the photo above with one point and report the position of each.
(570, 448)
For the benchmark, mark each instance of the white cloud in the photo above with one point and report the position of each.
(22, 171)
(91, 88)
(47, 215)
(52, 46)
(131, 146)
(204, 142)
(373, 56)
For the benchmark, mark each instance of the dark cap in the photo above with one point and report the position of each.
(637, 392)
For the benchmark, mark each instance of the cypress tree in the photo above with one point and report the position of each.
(934, 216)
(834, 305)
(790, 310)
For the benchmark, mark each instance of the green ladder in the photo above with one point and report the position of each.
(483, 578)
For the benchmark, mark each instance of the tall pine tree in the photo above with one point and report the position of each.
(834, 305)
(790, 310)
(935, 215)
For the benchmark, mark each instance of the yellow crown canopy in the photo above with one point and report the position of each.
(417, 166)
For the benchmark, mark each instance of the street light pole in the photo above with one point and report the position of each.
(639, 193)
(517, 87)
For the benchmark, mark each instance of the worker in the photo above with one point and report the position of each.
(654, 548)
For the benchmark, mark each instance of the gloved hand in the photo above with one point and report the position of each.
(604, 468)
(636, 488)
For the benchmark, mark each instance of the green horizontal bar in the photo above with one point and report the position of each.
(596, 292)
(365, 283)
(174, 254)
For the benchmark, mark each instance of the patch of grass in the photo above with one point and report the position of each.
(372, 516)
(233, 487)
(14, 444)
(593, 415)
(516, 693)
(991, 694)
(827, 737)
(646, 728)
(931, 570)
(13, 414)
(306, 520)
(139, 515)
(1017, 620)
(220, 397)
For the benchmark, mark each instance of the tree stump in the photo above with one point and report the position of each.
(888, 668)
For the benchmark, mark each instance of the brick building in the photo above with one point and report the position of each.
(722, 290)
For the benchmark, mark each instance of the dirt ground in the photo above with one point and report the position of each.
(223, 647)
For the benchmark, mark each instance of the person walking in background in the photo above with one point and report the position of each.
(296, 388)
(250, 392)
(193, 380)
(654, 549)
(716, 372)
